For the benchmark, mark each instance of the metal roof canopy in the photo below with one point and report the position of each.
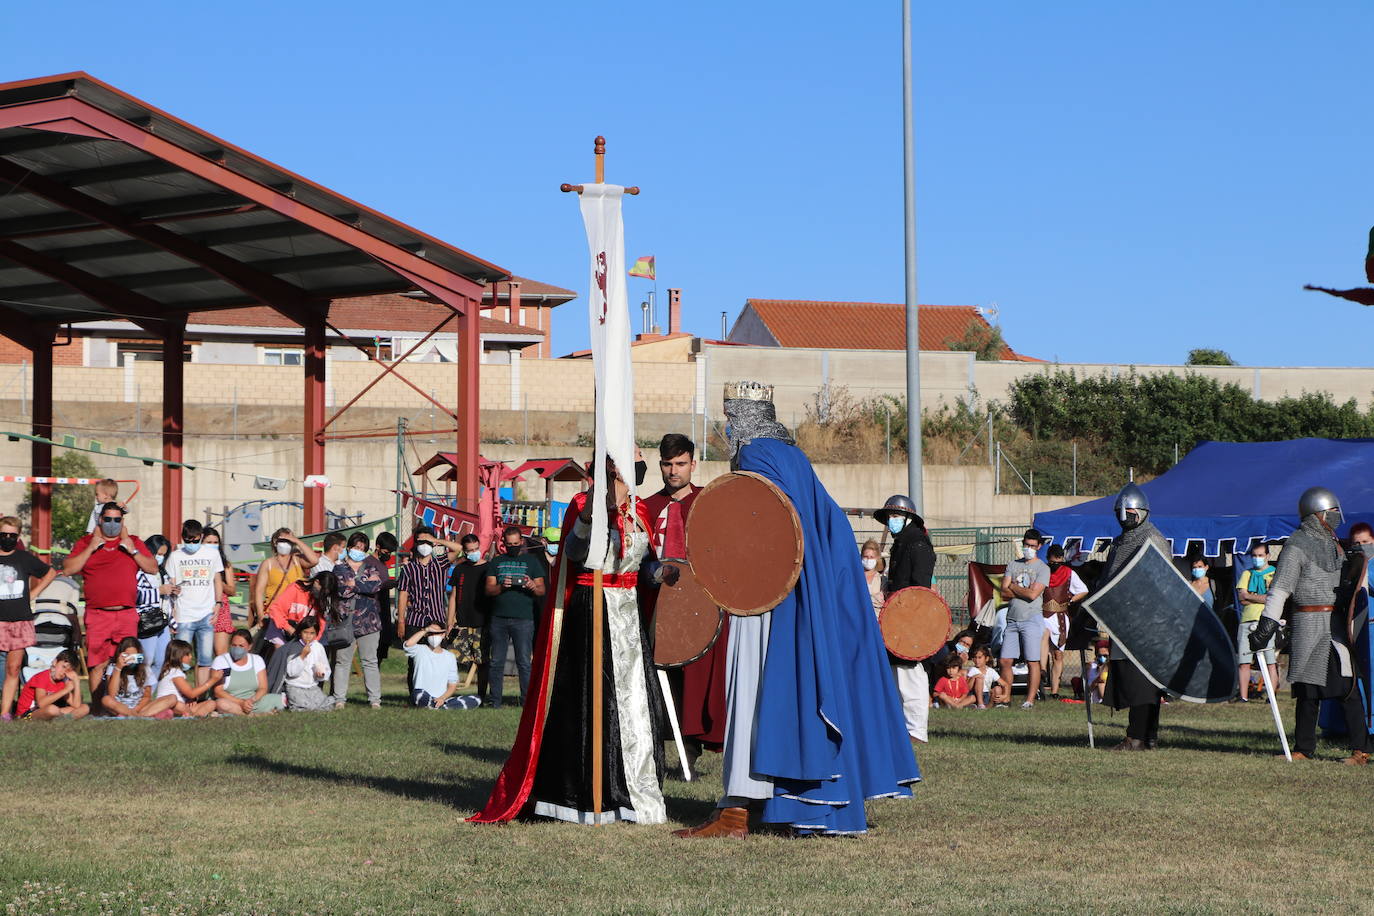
(110, 208)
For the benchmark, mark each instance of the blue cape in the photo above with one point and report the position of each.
(829, 731)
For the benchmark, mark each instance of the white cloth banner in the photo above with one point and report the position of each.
(608, 314)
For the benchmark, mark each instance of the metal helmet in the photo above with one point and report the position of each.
(1317, 499)
(897, 505)
(1131, 497)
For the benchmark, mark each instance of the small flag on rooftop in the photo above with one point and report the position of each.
(644, 267)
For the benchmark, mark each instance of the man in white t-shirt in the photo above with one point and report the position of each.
(436, 672)
(197, 586)
(330, 552)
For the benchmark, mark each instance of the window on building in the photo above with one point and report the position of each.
(522, 315)
(282, 356)
(146, 350)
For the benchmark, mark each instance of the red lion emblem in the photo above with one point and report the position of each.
(601, 284)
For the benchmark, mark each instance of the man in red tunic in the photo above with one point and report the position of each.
(699, 688)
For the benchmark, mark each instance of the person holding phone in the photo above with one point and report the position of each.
(514, 583)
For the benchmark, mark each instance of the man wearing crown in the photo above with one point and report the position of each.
(814, 727)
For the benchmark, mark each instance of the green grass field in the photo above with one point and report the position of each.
(361, 811)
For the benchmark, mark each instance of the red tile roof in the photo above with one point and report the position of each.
(865, 325)
(534, 288)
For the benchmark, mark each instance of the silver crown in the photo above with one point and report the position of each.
(748, 391)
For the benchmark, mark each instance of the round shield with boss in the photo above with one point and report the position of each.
(915, 622)
(744, 543)
(686, 620)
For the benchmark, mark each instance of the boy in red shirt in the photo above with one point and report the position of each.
(55, 692)
(952, 689)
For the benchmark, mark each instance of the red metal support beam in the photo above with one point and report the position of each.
(314, 420)
(173, 426)
(388, 369)
(469, 377)
(43, 338)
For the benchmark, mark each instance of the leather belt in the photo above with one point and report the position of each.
(1316, 608)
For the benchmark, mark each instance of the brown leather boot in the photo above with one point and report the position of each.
(726, 822)
(1297, 755)
(1130, 744)
(1357, 759)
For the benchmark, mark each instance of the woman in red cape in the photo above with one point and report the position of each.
(548, 772)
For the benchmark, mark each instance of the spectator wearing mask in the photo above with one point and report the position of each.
(197, 588)
(514, 584)
(1064, 590)
(436, 672)
(422, 590)
(289, 560)
(108, 561)
(154, 605)
(54, 693)
(315, 600)
(305, 669)
(1199, 582)
(952, 691)
(468, 609)
(385, 552)
(1023, 587)
(23, 577)
(912, 564)
(190, 702)
(242, 686)
(331, 553)
(106, 491)
(1253, 589)
(224, 617)
(361, 579)
(128, 687)
(872, 558)
(1096, 688)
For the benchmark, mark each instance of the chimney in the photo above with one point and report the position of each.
(513, 303)
(674, 311)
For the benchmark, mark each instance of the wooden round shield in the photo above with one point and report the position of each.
(735, 510)
(915, 623)
(686, 620)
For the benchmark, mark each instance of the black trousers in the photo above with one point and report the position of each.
(1305, 732)
(1143, 722)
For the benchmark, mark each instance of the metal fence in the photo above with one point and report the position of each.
(956, 547)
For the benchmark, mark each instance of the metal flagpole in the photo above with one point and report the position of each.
(672, 719)
(1273, 704)
(913, 337)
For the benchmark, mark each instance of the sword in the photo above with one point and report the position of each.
(1273, 703)
(1087, 693)
(677, 729)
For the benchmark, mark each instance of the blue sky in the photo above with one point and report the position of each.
(1124, 181)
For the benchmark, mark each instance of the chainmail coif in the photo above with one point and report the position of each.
(749, 419)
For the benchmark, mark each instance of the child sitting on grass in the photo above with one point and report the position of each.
(191, 702)
(952, 690)
(304, 671)
(54, 693)
(128, 688)
(986, 683)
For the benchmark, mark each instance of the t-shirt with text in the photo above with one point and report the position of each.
(196, 573)
(1025, 573)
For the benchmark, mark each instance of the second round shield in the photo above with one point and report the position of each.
(915, 623)
(686, 620)
(744, 542)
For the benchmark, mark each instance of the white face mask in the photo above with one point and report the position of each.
(1028, 552)
(870, 563)
(434, 640)
(283, 548)
(424, 549)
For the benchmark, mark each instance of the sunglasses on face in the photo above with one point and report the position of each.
(112, 518)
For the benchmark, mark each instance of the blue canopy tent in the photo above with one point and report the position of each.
(1224, 496)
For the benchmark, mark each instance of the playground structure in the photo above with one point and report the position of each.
(113, 209)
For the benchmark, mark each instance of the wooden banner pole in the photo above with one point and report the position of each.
(598, 698)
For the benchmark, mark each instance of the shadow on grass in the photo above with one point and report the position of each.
(465, 796)
(1222, 742)
(495, 755)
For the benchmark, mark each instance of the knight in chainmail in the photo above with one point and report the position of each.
(1310, 572)
(1127, 686)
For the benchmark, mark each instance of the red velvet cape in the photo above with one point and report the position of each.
(513, 785)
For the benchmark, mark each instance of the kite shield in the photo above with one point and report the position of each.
(1162, 626)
